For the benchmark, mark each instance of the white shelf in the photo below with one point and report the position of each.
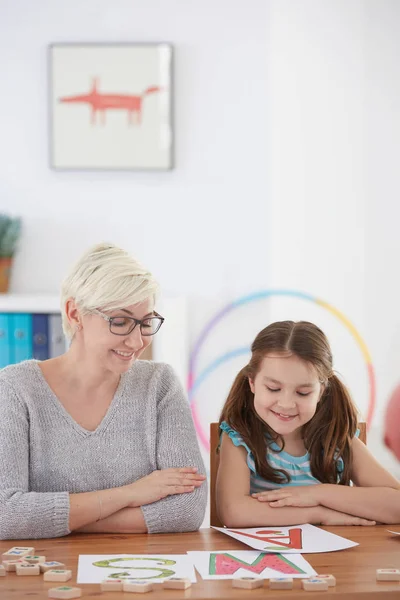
(30, 303)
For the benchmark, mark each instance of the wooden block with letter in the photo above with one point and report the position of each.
(26, 569)
(137, 586)
(115, 585)
(388, 574)
(34, 559)
(17, 552)
(247, 583)
(50, 565)
(57, 575)
(11, 565)
(281, 583)
(314, 585)
(329, 578)
(65, 593)
(177, 583)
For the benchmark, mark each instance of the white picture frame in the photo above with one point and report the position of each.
(111, 106)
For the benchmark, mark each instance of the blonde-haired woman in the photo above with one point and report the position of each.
(95, 440)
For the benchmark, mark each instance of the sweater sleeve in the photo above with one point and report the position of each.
(177, 446)
(24, 514)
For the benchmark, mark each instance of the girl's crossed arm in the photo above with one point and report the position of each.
(236, 508)
(375, 495)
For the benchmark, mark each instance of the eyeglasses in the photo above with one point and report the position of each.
(125, 325)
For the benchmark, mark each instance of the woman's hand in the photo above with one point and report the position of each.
(161, 484)
(301, 496)
(333, 517)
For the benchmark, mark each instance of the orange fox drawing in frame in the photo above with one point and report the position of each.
(100, 102)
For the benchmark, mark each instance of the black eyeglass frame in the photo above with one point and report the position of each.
(135, 322)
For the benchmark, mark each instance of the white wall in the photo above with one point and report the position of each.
(221, 139)
(382, 148)
(318, 87)
(287, 139)
(334, 178)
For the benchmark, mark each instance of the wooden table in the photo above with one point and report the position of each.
(354, 568)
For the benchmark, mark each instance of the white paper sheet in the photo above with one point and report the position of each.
(154, 567)
(295, 539)
(232, 564)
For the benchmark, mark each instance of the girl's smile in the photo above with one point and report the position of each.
(283, 417)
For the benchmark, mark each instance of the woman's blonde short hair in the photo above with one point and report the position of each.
(105, 277)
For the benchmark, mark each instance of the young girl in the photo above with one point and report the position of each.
(289, 445)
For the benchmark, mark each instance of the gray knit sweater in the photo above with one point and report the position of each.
(45, 454)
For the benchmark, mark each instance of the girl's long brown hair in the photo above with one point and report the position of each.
(327, 436)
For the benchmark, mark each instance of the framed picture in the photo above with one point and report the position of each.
(111, 106)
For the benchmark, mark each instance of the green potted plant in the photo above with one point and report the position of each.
(10, 230)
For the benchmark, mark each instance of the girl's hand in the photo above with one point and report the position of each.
(302, 496)
(333, 517)
(161, 484)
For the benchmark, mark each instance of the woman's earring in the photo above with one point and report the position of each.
(78, 327)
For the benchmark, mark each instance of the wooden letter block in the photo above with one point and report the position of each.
(177, 583)
(57, 575)
(17, 552)
(65, 592)
(329, 578)
(11, 565)
(388, 574)
(34, 559)
(27, 569)
(281, 583)
(315, 585)
(137, 586)
(112, 584)
(50, 565)
(247, 583)
(2, 571)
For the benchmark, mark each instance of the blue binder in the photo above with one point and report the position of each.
(21, 333)
(40, 337)
(4, 340)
